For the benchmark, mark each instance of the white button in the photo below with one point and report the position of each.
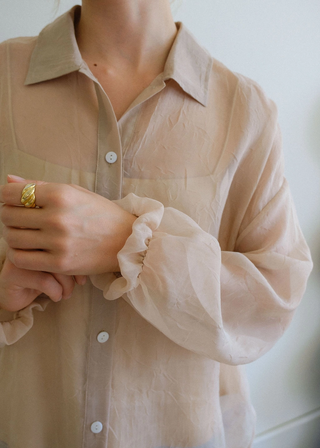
(103, 336)
(111, 157)
(96, 427)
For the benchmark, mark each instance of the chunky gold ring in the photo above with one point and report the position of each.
(28, 196)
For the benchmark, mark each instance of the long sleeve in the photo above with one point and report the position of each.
(213, 271)
(228, 305)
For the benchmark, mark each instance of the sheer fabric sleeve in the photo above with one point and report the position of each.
(228, 305)
(14, 325)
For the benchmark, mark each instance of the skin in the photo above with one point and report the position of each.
(75, 233)
(125, 44)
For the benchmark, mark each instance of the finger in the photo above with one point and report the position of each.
(30, 218)
(11, 178)
(11, 193)
(24, 239)
(40, 260)
(33, 260)
(67, 282)
(80, 279)
(40, 281)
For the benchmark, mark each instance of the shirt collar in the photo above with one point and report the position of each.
(189, 64)
(56, 53)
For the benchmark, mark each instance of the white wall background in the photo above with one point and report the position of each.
(277, 43)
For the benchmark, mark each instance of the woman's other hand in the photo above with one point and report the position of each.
(73, 232)
(19, 287)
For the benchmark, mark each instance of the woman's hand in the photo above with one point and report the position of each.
(73, 232)
(19, 287)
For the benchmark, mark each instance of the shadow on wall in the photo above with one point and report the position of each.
(314, 132)
(311, 356)
(313, 138)
(305, 431)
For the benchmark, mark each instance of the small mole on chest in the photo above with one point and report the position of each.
(95, 65)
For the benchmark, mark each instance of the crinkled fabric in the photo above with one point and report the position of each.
(210, 277)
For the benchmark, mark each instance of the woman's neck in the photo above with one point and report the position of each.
(137, 34)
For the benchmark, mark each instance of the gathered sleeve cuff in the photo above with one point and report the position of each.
(22, 321)
(131, 257)
(231, 306)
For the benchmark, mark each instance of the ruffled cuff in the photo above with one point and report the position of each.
(12, 331)
(149, 214)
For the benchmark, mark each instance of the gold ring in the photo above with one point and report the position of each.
(28, 196)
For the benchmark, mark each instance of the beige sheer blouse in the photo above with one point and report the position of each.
(211, 275)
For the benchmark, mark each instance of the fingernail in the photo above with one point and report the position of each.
(13, 177)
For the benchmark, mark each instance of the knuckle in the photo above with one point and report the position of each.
(50, 287)
(60, 222)
(68, 289)
(45, 282)
(56, 222)
(60, 246)
(53, 196)
(67, 283)
(61, 264)
(59, 196)
(50, 221)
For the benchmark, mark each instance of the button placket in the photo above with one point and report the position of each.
(99, 371)
(103, 312)
(108, 175)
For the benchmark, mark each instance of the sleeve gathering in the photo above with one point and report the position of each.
(229, 305)
(230, 297)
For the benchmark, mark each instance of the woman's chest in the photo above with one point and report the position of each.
(171, 146)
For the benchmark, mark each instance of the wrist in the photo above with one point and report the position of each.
(106, 260)
(121, 239)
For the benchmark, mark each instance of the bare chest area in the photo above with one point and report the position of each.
(122, 88)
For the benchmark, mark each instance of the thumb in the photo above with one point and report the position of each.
(11, 178)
